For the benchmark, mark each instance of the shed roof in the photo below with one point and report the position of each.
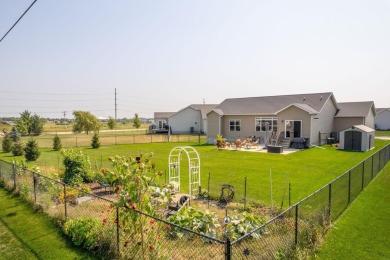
(271, 105)
(355, 109)
(362, 128)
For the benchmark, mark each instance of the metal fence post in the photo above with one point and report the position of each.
(330, 199)
(35, 187)
(228, 249)
(117, 232)
(296, 225)
(14, 174)
(363, 175)
(349, 187)
(66, 210)
(372, 167)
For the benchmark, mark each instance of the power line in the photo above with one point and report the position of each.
(52, 94)
(18, 20)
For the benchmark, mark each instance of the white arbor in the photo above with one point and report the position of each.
(193, 168)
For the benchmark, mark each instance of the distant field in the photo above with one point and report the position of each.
(363, 230)
(306, 170)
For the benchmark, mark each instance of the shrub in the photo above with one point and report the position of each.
(84, 232)
(17, 149)
(7, 144)
(31, 150)
(57, 143)
(14, 134)
(77, 167)
(95, 141)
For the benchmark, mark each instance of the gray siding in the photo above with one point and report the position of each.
(297, 114)
(382, 120)
(212, 126)
(370, 119)
(182, 121)
(323, 122)
(342, 123)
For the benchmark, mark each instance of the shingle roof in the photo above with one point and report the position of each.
(354, 109)
(270, 105)
(379, 110)
(204, 108)
(163, 114)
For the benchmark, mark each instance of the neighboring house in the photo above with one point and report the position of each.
(161, 120)
(191, 119)
(382, 119)
(289, 116)
(355, 113)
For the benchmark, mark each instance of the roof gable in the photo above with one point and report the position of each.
(271, 105)
(163, 114)
(355, 109)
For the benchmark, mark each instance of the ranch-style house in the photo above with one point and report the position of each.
(287, 117)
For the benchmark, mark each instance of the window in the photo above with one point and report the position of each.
(235, 125)
(261, 123)
(162, 124)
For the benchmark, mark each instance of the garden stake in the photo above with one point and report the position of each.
(284, 192)
(208, 191)
(289, 194)
(270, 178)
(245, 194)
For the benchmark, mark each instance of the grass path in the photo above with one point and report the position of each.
(363, 231)
(26, 234)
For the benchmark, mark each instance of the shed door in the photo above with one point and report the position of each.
(353, 140)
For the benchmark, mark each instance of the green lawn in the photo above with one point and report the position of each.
(26, 234)
(382, 133)
(363, 231)
(308, 170)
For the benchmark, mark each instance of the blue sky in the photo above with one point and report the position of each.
(165, 55)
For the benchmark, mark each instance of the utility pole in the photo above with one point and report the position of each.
(65, 118)
(115, 107)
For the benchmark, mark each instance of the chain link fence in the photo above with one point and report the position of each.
(291, 234)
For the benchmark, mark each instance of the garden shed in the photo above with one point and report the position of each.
(357, 138)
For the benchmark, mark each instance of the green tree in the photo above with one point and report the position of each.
(14, 134)
(30, 125)
(17, 149)
(111, 123)
(57, 143)
(7, 144)
(36, 127)
(95, 143)
(85, 122)
(31, 151)
(136, 121)
(24, 123)
(77, 167)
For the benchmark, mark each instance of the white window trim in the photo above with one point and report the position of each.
(239, 120)
(268, 118)
(285, 126)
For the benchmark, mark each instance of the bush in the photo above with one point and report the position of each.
(57, 143)
(95, 141)
(86, 232)
(14, 134)
(7, 144)
(77, 167)
(17, 149)
(31, 150)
